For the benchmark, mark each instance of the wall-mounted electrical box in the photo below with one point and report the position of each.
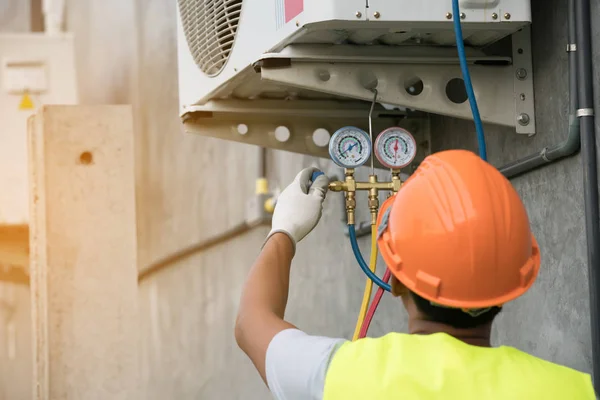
(25, 76)
(308, 64)
(35, 69)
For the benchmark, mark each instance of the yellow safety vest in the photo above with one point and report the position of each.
(438, 366)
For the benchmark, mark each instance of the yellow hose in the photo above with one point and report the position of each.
(368, 285)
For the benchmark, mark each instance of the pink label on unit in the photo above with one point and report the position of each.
(293, 8)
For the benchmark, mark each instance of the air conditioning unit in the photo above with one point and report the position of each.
(286, 73)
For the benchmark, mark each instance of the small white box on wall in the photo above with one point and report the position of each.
(36, 70)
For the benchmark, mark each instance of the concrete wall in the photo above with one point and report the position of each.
(185, 194)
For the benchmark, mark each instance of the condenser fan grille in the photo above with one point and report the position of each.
(210, 27)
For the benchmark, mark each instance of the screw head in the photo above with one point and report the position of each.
(463, 15)
(521, 73)
(522, 96)
(523, 119)
(376, 14)
(494, 16)
(449, 15)
(358, 14)
(507, 16)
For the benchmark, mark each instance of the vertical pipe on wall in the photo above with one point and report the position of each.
(571, 47)
(36, 16)
(54, 15)
(590, 171)
(262, 163)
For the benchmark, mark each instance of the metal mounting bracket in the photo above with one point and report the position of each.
(430, 84)
(523, 81)
(299, 126)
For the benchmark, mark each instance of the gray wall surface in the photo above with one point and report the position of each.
(185, 193)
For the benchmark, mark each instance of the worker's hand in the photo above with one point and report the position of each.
(299, 206)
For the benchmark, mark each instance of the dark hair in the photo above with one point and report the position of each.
(454, 317)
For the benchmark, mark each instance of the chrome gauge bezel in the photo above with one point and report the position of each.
(406, 137)
(349, 133)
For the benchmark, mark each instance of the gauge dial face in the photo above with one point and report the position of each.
(350, 147)
(395, 148)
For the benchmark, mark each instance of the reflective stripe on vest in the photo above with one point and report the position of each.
(438, 366)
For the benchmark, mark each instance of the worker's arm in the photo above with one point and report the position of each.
(264, 297)
(262, 307)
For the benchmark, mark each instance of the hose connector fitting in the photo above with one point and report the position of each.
(350, 206)
(337, 186)
(396, 181)
(373, 199)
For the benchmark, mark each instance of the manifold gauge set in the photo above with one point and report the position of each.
(350, 147)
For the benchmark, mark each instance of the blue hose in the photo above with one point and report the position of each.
(362, 263)
(460, 44)
(315, 175)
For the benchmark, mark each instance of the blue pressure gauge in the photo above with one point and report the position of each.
(350, 147)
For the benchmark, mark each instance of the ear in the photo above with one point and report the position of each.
(398, 289)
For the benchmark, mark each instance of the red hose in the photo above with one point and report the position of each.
(367, 322)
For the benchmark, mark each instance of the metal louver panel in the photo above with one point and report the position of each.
(210, 27)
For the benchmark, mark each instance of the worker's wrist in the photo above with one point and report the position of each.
(281, 238)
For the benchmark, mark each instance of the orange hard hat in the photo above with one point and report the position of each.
(457, 234)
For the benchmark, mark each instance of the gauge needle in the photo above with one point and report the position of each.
(350, 147)
(396, 148)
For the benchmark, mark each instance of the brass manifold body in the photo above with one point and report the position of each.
(349, 186)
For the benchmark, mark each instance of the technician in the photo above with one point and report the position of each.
(457, 241)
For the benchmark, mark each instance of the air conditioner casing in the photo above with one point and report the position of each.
(267, 27)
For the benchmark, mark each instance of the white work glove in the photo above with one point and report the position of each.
(299, 207)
